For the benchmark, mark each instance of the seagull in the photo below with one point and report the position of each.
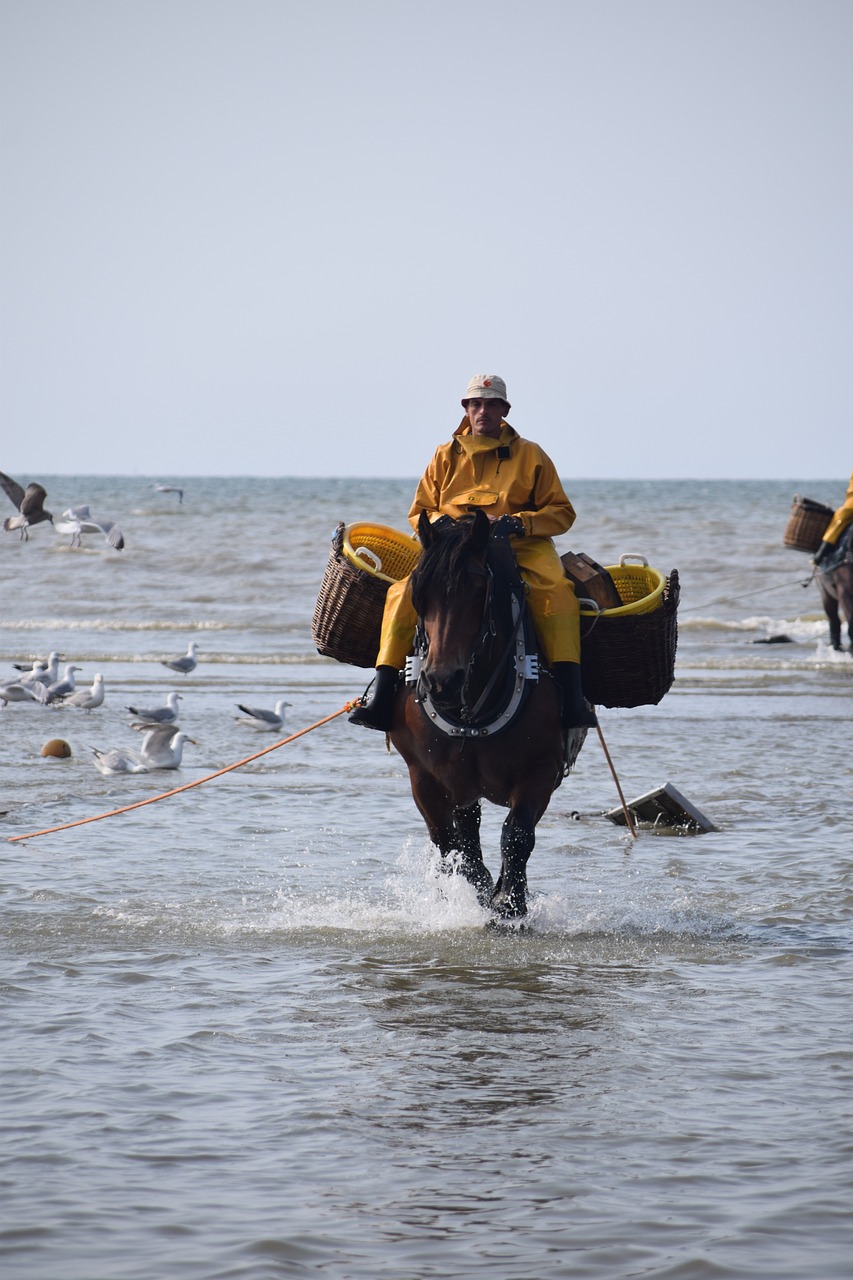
(38, 673)
(163, 746)
(43, 672)
(159, 715)
(169, 488)
(261, 719)
(185, 664)
(17, 692)
(88, 699)
(119, 760)
(79, 520)
(61, 688)
(30, 504)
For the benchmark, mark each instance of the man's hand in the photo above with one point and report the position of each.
(508, 527)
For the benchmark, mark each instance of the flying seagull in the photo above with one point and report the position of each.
(185, 664)
(30, 504)
(261, 719)
(159, 715)
(79, 520)
(169, 488)
(17, 692)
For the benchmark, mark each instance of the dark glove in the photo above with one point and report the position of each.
(442, 522)
(508, 527)
(822, 552)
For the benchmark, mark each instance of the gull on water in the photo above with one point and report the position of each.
(163, 745)
(159, 715)
(185, 664)
(30, 504)
(17, 692)
(76, 521)
(88, 699)
(61, 688)
(118, 760)
(261, 719)
(169, 488)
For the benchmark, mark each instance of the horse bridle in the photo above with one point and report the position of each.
(526, 665)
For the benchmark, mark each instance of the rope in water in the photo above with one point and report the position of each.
(81, 822)
(796, 582)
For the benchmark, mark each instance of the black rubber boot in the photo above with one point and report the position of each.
(576, 712)
(378, 711)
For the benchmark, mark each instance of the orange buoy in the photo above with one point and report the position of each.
(58, 748)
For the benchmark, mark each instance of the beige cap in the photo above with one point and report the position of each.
(486, 386)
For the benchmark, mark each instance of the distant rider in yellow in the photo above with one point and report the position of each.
(839, 522)
(487, 465)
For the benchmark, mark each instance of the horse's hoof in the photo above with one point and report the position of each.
(496, 925)
(476, 873)
(508, 907)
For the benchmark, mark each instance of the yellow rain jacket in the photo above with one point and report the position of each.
(841, 519)
(504, 476)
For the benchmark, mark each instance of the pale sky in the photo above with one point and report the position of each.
(273, 237)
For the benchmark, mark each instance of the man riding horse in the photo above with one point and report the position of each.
(836, 527)
(487, 466)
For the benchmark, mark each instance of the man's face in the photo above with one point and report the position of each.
(485, 416)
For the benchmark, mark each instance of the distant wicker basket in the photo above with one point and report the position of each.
(365, 559)
(628, 653)
(807, 524)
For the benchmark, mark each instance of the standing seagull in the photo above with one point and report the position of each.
(183, 665)
(79, 520)
(88, 699)
(61, 688)
(261, 719)
(30, 504)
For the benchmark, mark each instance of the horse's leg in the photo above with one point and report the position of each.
(471, 865)
(518, 837)
(830, 607)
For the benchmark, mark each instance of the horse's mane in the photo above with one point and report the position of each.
(444, 558)
(441, 561)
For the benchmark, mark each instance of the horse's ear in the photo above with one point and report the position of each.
(424, 529)
(480, 531)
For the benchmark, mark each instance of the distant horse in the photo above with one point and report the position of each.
(476, 719)
(835, 583)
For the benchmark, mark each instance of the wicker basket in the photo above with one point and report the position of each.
(628, 654)
(364, 560)
(807, 524)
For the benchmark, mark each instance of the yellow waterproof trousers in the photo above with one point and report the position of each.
(550, 597)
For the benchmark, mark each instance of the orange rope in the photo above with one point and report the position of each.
(81, 822)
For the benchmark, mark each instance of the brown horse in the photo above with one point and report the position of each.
(834, 577)
(476, 719)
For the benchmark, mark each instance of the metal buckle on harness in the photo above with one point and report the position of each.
(413, 668)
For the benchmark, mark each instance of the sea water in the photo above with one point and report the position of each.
(248, 1031)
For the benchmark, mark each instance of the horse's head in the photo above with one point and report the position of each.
(451, 590)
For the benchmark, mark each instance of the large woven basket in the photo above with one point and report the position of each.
(364, 560)
(807, 524)
(628, 654)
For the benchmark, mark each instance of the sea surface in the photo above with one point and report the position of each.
(248, 1031)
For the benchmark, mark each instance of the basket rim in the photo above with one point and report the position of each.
(636, 606)
(382, 530)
